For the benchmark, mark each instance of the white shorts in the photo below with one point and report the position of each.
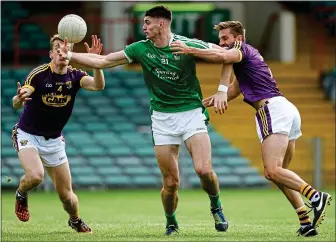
(278, 115)
(173, 128)
(51, 151)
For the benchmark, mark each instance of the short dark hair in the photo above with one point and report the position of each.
(159, 12)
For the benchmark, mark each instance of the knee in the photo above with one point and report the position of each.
(171, 183)
(270, 173)
(66, 196)
(204, 171)
(35, 177)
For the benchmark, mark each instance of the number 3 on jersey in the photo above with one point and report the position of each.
(164, 61)
(262, 59)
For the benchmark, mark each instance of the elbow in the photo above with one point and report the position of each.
(101, 88)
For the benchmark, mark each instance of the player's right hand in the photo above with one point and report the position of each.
(96, 47)
(22, 94)
(220, 102)
(208, 102)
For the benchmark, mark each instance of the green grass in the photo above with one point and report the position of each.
(134, 215)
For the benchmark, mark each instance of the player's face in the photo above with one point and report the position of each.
(226, 38)
(54, 55)
(151, 27)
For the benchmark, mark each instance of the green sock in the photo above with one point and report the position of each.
(215, 201)
(171, 219)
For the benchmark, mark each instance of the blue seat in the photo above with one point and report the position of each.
(118, 181)
(128, 161)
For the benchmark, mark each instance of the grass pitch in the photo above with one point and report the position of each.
(137, 215)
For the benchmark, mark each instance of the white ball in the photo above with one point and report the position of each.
(73, 27)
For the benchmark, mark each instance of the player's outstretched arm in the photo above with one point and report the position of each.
(97, 82)
(93, 60)
(215, 55)
(22, 96)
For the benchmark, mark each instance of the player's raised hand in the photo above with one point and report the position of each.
(22, 94)
(220, 102)
(179, 47)
(63, 49)
(97, 46)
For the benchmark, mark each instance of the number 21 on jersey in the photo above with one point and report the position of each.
(164, 61)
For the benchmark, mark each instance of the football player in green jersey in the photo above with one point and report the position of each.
(177, 112)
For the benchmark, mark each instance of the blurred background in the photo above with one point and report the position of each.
(109, 137)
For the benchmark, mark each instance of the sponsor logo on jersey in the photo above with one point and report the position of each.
(56, 100)
(68, 84)
(152, 56)
(169, 75)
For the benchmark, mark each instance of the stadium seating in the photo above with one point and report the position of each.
(31, 35)
(109, 142)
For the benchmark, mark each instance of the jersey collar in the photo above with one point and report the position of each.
(171, 39)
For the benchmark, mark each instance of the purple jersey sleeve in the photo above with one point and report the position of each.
(242, 48)
(32, 78)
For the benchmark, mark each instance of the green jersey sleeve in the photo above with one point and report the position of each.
(133, 51)
(196, 43)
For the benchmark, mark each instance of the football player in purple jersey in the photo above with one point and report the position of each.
(48, 96)
(278, 121)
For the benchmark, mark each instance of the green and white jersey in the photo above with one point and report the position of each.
(171, 79)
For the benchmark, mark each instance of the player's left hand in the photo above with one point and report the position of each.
(97, 46)
(179, 47)
(220, 102)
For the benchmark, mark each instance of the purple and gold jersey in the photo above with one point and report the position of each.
(52, 100)
(255, 79)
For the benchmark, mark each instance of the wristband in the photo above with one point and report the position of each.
(222, 88)
(69, 55)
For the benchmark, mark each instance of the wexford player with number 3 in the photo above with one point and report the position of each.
(278, 121)
(48, 97)
(177, 112)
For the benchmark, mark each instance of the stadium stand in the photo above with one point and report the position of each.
(31, 35)
(109, 141)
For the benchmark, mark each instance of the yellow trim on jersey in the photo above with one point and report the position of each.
(35, 72)
(30, 87)
(51, 68)
(237, 46)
